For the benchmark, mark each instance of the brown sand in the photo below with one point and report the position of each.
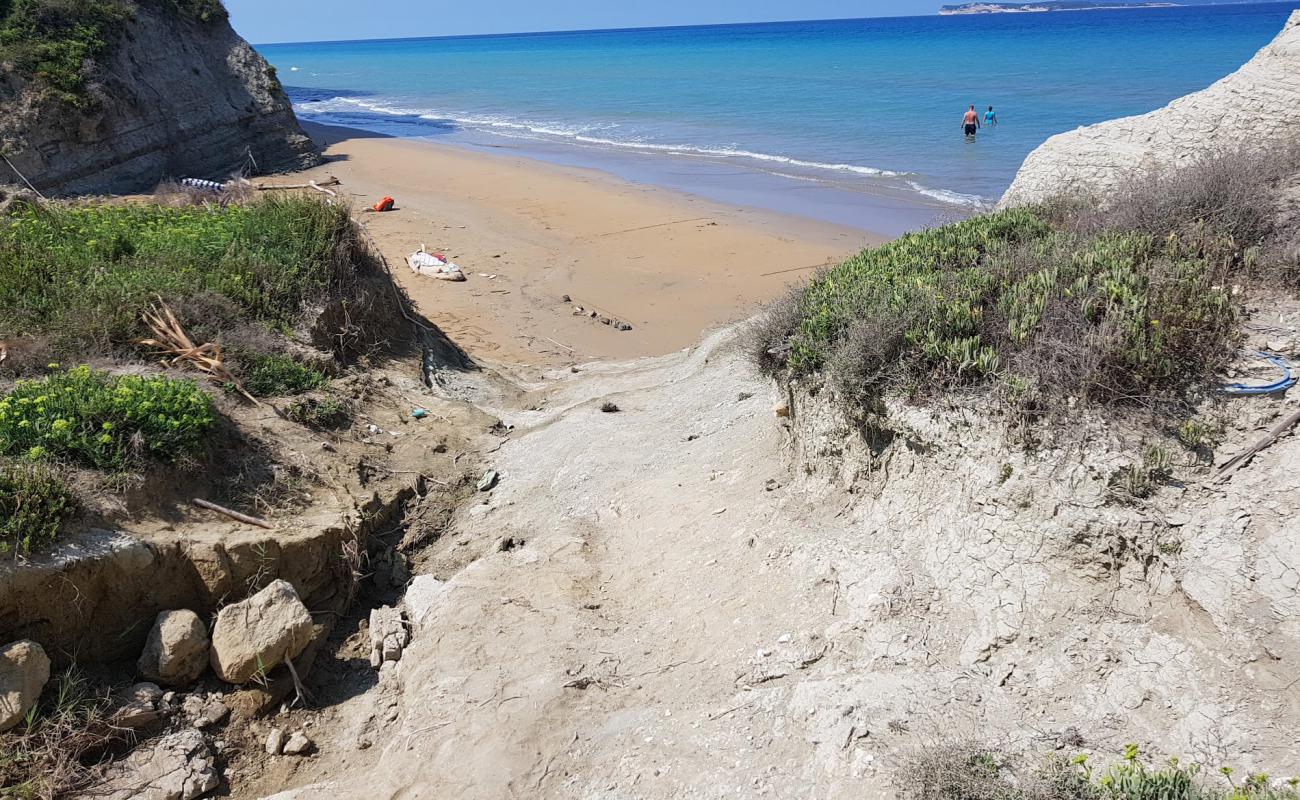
(670, 264)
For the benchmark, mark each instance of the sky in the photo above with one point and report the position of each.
(268, 21)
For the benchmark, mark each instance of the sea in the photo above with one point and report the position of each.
(855, 122)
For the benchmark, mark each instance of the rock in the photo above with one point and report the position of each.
(275, 742)
(1177, 519)
(134, 716)
(781, 409)
(204, 712)
(388, 636)
(260, 633)
(298, 744)
(179, 766)
(421, 596)
(145, 692)
(1257, 104)
(129, 135)
(176, 652)
(24, 670)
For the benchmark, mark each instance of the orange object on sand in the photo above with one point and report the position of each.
(385, 205)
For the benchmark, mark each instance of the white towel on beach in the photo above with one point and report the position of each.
(422, 263)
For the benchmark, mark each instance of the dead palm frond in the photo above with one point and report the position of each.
(174, 344)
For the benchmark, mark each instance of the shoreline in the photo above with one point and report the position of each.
(527, 233)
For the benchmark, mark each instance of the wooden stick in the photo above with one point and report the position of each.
(317, 187)
(561, 344)
(24, 177)
(796, 269)
(258, 521)
(262, 187)
(656, 225)
(1241, 459)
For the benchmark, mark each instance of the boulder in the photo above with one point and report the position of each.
(254, 636)
(24, 670)
(180, 766)
(275, 742)
(298, 744)
(422, 595)
(176, 652)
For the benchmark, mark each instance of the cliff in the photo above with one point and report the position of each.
(1258, 103)
(166, 92)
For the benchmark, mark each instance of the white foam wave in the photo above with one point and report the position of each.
(539, 131)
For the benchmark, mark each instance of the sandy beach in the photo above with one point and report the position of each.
(527, 233)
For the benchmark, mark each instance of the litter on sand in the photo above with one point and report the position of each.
(199, 183)
(434, 265)
(386, 204)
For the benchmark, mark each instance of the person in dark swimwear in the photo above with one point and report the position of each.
(971, 122)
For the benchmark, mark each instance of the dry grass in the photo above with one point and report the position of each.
(56, 750)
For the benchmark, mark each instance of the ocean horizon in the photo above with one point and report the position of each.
(849, 121)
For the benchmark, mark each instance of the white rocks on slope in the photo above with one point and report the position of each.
(180, 766)
(1257, 104)
(24, 669)
(259, 633)
(176, 652)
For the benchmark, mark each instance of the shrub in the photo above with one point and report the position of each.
(54, 42)
(34, 504)
(82, 275)
(275, 375)
(322, 413)
(974, 772)
(104, 421)
(1114, 317)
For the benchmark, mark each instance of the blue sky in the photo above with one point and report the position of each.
(264, 21)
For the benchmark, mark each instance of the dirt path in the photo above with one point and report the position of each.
(673, 620)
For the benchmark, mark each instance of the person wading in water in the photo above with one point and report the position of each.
(971, 122)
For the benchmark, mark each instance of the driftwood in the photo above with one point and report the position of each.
(317, 185)
(1241, 459)
(235, 515)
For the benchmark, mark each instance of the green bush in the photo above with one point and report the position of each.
(82, 275)
(1014, 296)
(275, 375)
(34, 504)
(103, 421)
(322, 413)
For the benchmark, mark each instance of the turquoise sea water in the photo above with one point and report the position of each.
(832, 119)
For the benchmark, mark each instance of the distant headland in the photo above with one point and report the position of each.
(1049, 5)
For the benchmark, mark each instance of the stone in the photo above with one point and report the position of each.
(204, 712)
(423, 593)
(176, 652)
(1257, 104)
(275, 742)
(134, 716)
(24, 670)
(258, 634)
(179, 766)
(146, 692)
(388, 636)
(298, 744)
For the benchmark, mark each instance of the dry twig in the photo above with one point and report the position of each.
(174, 344)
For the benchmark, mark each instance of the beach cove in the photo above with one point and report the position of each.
(528, 233)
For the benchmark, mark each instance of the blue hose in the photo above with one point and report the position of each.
(1288, 379)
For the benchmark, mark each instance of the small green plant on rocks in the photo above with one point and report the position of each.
(43, 757)
(34, 504)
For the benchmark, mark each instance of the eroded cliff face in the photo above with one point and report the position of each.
(172, 97)
(1257, 104)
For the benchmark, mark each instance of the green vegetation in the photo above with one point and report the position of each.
(52, 752)
(321, 413)
(34, 504)
(275, 375)
(1129, 303)
(968, 772)
(55, 43)
(1012, 296)
(104, 421)
(81, 275)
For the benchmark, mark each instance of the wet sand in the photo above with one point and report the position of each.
(528, 233)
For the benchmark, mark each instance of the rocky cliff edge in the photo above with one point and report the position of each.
(173, 97)
(1257, 104)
